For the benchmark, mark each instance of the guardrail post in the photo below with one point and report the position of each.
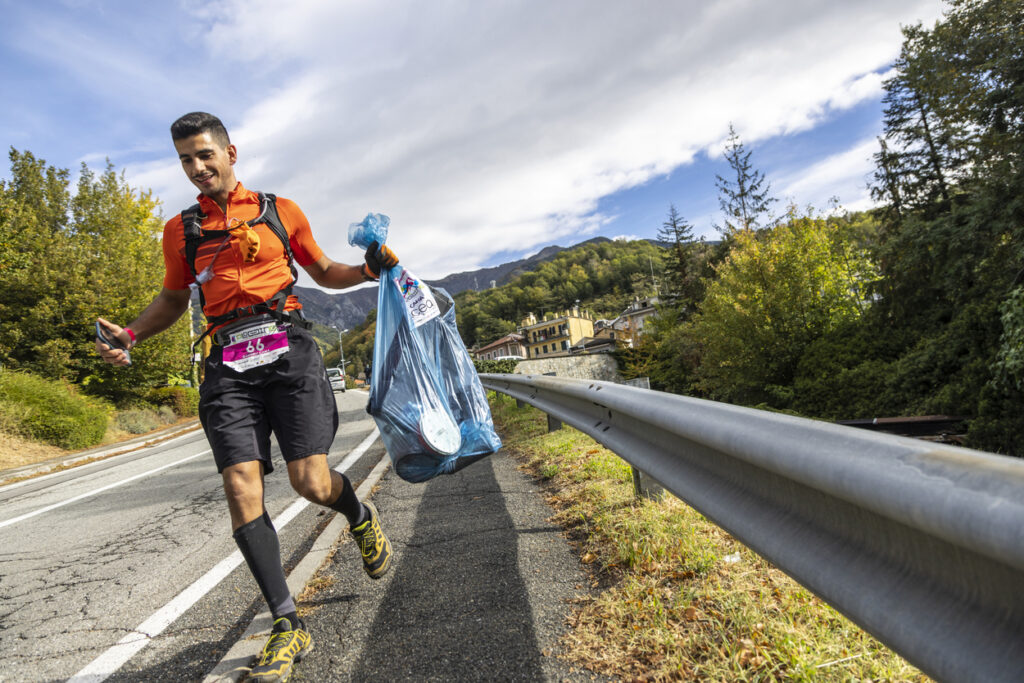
(646, 486)
(520, 403)
(554, 424)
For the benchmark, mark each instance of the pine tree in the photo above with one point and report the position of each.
(678, 234)
(744, 201)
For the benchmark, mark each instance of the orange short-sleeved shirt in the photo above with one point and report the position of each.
(236, 283)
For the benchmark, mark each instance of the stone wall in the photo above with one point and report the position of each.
(600, 366)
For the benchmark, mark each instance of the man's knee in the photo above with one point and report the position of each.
(314, 489)
(243, 488)
(312, 480)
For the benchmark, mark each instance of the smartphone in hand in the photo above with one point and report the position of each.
(104, 337)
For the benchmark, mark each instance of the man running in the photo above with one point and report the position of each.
(264, 372)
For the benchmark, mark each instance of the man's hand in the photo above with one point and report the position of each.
(114, 356)
(378, 256)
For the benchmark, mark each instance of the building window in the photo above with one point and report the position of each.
(545, 348)
(565, 345)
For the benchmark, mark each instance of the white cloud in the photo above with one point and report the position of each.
(490, 127)
(850, 169)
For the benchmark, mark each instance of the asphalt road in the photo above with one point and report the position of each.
(478, 590)
(89, 555)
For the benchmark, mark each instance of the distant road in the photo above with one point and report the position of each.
(90, 555)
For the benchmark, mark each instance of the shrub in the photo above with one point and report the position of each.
(503, 367)
(184, 401)
(137, 420)
(50, 411)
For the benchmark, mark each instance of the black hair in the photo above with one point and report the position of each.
(197, 123)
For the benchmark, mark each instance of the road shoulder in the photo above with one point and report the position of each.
(479, 588)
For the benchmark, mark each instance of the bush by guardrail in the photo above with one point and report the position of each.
(50, 411)
(497, 366)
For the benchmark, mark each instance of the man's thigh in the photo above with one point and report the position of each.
(234, 417)
(299, 400)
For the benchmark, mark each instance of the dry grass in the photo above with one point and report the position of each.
(18, 452)
(321, 581)
(675, 597)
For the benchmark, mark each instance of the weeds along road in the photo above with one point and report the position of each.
(96, 556)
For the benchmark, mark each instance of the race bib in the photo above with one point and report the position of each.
(254, 346)
(419, 300)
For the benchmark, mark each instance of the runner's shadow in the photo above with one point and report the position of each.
(457, 608)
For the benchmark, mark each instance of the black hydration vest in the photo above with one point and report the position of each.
(192, 220)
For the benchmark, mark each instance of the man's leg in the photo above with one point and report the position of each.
(257, 540)
(255, 535)
(316, 482)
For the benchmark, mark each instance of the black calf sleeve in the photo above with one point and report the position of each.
(348, 505)
(262, 552)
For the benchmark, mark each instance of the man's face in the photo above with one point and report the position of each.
(208, 164)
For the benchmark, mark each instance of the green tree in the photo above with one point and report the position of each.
(776, 293)
(745, 200)
(951, 235)
(678, 235)
(94, 253)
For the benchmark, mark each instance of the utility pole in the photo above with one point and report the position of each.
(341, 353)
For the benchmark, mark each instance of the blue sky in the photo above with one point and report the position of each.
(485, 130)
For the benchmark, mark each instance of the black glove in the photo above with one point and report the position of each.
(377, 257)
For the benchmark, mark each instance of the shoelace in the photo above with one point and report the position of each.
(278, 641)
(368, 540)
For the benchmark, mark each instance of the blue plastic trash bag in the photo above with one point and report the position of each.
(425, 394)
(373, 228)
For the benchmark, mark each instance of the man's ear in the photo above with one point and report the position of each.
(232, 154)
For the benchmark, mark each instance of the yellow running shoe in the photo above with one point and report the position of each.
(373, 544)
(287, 645)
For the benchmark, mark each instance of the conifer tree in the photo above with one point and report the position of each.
(745, 200)
(678, 234)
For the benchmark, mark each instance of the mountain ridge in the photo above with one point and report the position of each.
(347, 309)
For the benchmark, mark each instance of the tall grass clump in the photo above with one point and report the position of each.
(50, 411)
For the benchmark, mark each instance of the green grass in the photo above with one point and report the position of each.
(676, 597)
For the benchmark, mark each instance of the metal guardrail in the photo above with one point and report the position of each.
(920, 544)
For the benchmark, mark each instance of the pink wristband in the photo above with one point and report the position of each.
(130, 334)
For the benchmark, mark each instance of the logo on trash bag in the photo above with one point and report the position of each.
(418, 298)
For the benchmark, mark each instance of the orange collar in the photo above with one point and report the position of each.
(237, 197)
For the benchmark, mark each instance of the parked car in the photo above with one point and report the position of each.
(337, 379)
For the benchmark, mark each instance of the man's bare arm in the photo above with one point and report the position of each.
(160, 314)
(328, 273)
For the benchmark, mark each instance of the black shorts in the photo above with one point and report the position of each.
(290, 396)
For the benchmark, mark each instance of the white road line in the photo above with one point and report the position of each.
(113, 659)
(29, 515)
